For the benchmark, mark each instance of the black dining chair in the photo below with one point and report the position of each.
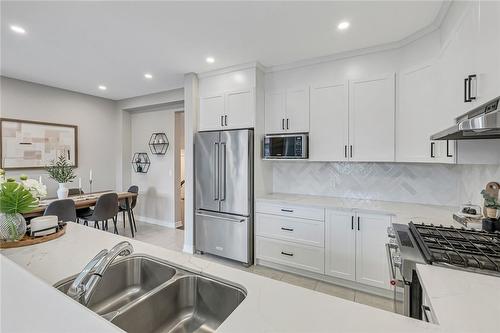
(80, 212)
(133, 203)
(64, 210)
(105, 208)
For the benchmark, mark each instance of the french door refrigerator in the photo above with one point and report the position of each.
(224, 194)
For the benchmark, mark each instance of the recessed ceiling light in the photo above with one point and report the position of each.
(17, 29)
(148, 76)
(103, 87)
(343, 25)
(210, 60)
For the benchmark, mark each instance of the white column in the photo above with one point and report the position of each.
(191, 110)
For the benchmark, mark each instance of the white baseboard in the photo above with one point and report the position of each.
(168, 224)
(179, 224)
(344, 283)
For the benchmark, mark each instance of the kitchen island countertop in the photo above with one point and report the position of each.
(270, 306)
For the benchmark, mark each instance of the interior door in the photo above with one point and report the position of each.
(371, 119)
(340, 245)
(329, 122)
(235, 160)
(371, 259)
(207, 147)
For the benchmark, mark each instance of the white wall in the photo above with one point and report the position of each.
(156, 199)
(97, 120)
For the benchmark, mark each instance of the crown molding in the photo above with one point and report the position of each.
(233, 68)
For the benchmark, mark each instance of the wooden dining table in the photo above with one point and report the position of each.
(85, 201)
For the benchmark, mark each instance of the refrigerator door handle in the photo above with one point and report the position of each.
(223, 172)
(239, 220)
(216, 174)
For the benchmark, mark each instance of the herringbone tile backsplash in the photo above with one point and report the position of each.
(438, 184)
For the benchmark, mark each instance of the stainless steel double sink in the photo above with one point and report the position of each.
(140, 293)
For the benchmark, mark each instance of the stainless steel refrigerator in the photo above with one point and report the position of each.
(224, 194)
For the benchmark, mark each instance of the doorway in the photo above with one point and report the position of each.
(179, 169)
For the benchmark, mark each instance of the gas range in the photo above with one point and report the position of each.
(457, 248)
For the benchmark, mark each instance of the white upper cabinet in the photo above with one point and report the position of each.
(275, 112)
(211, 112)
(230, 110)
(287, 111)
(371, 119)
(240, 109)
(371, 259)
(329, 122)
(419, 116)
(297, 110)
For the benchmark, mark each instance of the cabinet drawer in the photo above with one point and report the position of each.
(304, 257)
(311, 213)
(308, 232)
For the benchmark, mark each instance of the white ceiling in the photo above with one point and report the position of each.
(80, 45)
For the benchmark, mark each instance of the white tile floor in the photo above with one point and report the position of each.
(173, 239)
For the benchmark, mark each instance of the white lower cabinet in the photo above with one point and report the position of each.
(371, 259)
(344, 244)
(340, 240)
(309, 258)
(355, 247)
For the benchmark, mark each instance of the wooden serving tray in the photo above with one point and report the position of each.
(29, 240)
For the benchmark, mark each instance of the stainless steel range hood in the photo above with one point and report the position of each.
(481, 123)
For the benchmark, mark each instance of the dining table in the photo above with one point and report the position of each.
(86, 200)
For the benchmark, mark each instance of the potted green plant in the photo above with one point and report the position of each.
(14, 200)
(491, 204)
(62, 172)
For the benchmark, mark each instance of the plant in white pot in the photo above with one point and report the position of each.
(491, 204)
(62, 172)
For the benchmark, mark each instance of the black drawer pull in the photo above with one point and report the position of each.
(287, 210)
(287, 254)
(286, 229)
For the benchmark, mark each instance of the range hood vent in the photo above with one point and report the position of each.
(482, 122)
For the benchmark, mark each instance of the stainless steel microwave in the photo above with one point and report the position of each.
(286, 146)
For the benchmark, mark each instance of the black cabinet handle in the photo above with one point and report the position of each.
(358, 222)
(222, 120)
(225, 120)
(345, 151)
(287, 210)
(350, 149)
(473, 76)
(287, 123)
(432, 149)
(448, 149)
(283, 123)
(287, 254)
(352, 222)
(466, 84)
(286, 229)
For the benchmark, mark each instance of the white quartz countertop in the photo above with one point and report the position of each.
(401, 212)
(462, 301)
(270, 306)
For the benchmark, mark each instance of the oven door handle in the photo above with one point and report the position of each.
(389, 261)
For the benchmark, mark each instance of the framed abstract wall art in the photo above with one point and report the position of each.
(32, 144)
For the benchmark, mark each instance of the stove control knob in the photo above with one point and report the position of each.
(390, 232)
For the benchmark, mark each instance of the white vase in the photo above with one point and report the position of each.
(62, 191)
